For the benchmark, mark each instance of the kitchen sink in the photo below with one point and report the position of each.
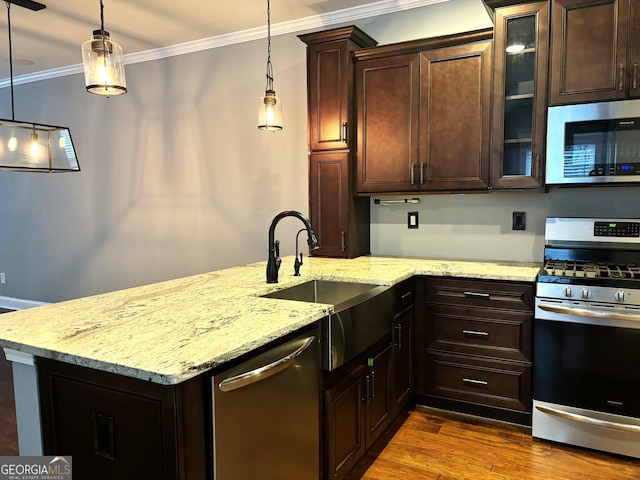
(362, 315)
(336, 293)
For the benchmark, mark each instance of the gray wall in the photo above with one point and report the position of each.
(177, 180)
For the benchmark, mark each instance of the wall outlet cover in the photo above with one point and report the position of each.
(519, 221)
(412, 220)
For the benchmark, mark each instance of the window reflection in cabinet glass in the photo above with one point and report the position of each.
(520, 64)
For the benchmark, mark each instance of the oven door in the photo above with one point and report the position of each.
(586, 377)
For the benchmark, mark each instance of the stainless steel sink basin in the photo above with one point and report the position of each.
(336, 293)
(362, 316)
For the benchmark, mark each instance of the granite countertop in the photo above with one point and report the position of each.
(171, 331)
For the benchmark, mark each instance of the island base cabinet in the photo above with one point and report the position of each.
(358, 409)
(120, 427)
(344, 424)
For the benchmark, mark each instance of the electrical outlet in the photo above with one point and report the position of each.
(2, 278)
(412, 220)
(519, 221)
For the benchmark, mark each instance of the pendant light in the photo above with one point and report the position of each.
(28, 146)
(103, 63)
(270, 106)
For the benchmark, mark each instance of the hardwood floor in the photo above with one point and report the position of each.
(8, 431)
(431, 444)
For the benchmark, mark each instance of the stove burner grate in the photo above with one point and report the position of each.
(582, 269)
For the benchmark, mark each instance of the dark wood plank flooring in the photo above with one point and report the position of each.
(431, 444)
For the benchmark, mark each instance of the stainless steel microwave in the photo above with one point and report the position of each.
(594, 143)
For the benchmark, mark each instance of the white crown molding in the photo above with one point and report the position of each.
(323, 20)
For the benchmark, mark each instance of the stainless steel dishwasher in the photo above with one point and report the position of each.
(266, 414)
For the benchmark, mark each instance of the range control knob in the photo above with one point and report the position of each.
(568, 292)
(585, 293)
(620, 296)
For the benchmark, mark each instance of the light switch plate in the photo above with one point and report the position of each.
(412, 220)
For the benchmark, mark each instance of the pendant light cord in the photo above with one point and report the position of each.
(13, 118)
(269, 66)
(101, 16)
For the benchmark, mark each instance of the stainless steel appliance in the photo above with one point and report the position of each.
(362, 315)
(266, 414)
(586, 379)
(594, 143)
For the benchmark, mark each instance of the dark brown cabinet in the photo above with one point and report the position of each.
(423, 114)
(357, 411)
(120, 427)
(340, 220)
(595, 50)
(402, 340)
(388, 99)
(476, 347)
(521, 54)
(344, 428)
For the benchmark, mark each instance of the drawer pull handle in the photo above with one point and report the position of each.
(475, 382)
(477, 295)
(406, 295)
(473, 332)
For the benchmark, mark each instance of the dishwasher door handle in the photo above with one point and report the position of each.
(266, 371)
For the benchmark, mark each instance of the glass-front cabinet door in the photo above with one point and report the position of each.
(518, 128)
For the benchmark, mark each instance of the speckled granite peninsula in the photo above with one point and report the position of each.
(172, 331)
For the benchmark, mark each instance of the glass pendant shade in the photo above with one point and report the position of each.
(29, 147)
(270, 112)
(103, 65)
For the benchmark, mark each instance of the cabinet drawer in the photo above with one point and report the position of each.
(404, 295)
(492, 383)
(476, 331)
(481, 293)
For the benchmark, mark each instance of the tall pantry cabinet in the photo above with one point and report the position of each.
(339, 219)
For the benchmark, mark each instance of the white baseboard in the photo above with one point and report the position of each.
(19, 303)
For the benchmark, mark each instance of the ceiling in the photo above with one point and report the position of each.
(51, 38)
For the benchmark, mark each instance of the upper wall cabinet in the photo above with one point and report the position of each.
(455, 112)
(595, 50)
(521, 54)
(423, 115)
(330, 85)
(388, 98)
(340, 219)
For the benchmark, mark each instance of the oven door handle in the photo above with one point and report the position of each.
(587, 312)
(591, 421)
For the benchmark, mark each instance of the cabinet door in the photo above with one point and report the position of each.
(387, 91)
(589, 50)
(340, 221)
(378, 384)
(120, 427)
(519, 96)
(344, 425)
(329, 85)
(634, 49)
(403, 359)
(454, 117)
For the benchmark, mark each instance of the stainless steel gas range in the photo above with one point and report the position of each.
(586, 382)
